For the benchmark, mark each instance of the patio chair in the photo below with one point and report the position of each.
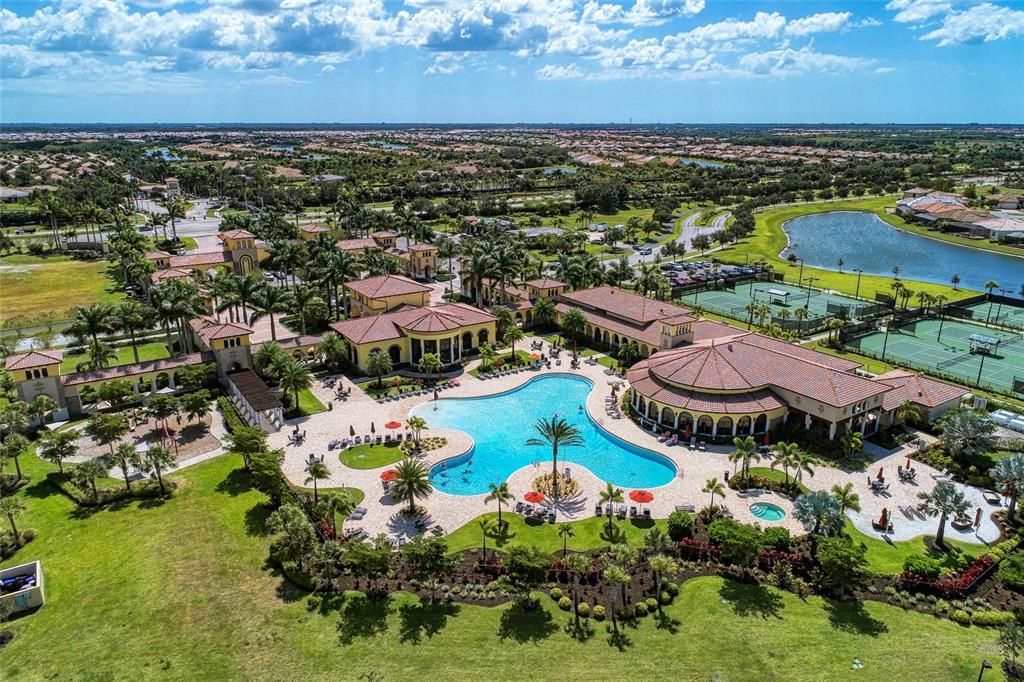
(359, 440)
(632, 512)
(518, 509)
(693, 442)
(598, 510)
(702, 446)
(609, 509)
(992, 497)
(647, 513)
(622, 511)
(387, 438)
(941, 475)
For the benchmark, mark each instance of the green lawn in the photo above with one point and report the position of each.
(590, 533)
(154, 350)
(524, 357)
(371, 456)
(181, 590)
(769, 239)
(888, 557)
(31, 285)
(309, 403)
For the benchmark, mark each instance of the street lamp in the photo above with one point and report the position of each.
(885, 342)
(800, 277)
(809, 280)
(859, 273)
(985, 665)
(999, 309)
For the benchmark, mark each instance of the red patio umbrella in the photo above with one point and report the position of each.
(372, 428)
(393, 425)
(767, 438)
(641, 496)
(535, 356)
(686, 433)
(884, 521)
(880, 476)
(389, 475)
(908, 463)
(351, 430)
(534, 496)
(977, 517)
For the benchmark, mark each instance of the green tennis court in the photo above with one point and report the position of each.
(784, 300)
(1009, 315)
(919, 346)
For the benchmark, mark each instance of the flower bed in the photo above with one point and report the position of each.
(424, 445)
(567, 487)
(953, 585)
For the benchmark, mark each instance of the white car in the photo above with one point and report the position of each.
(645, 251)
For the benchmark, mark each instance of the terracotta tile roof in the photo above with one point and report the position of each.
(236, 234)
(214, 329)
(291, 343)
(207, 258)
(917, 389)
(625, 304)
(422, 247)
(153, 255)
(545, 283)
(384, 234)
(393, 325)
(33, 358)
(386, 285)
(169, 273)
(355, 244)
(314, 229)
(133, 369)
(751, 362)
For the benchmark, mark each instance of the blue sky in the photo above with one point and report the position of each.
(589, 61)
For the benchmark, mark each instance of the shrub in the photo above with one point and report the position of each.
(680, 525)
(565, 603)
(584, 609)
(1011, 571)
(640, 609)
(598, 612)
(992, 618)
(665, 597)
(28, 535)
(776, 538)
(671, 588)
(556, 593)
(627, 612)
(962, 617)
(652, 603)
(926, 567)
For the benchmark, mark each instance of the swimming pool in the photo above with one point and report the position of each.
(766, 511)
(501, 424)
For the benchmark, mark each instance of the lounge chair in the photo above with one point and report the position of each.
(647, 513)
(597, 509)
(632, 512)
(686, 507)
(359, 440)
(941, 475)
(992, 497)
(622, 511)
(674, 440)
(387, 438)
(518, 508)
(702, 446)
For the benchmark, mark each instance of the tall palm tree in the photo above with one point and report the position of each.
(1009, 474)
(317, 471)
(746, 448)
(487, 525)
(943, 500)
(573, 322)
(616, 577)
(294, 377)
(92, 321)
(565, 532)
(157, 459)
(12, 507)
(333, 349)
(785, 454)
(175, 208)
(714, 487)
(132, 316)
(340, 503)
(543, 311)
(269, 300)
(661, 565)
(846, 497)
(447, 248)
(412, 482)
(512, 336)
(556, 432)
(802, 464)
(500, 494)
(378, 363)
(611, 495)
(990, 285)
(304, 301)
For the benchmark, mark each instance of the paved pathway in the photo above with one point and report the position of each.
(453, 511)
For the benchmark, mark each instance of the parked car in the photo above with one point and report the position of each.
(644, 251)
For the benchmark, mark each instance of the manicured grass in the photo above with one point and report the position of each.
(371, 456)
(524, 358)
(769, 239)
(984, 244)
(888, 557)
(31, 285)
(872, 365)
(183, 591)
(309, 403)
(775, 475)
(154, 350)
(590, 533)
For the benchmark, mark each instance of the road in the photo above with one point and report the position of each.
(195, 224)
(690, 229)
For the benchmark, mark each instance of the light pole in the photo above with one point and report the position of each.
(809, 280)
(942, 319)
(800, 277)
(999, 308)
(985, 665)
(859, 273)
(983, 353)
(885, 342)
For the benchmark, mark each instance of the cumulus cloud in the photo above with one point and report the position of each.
(554, 72)
(445, 64)
(788, 62)
(914, 11)
(824, 22)
(978, 24)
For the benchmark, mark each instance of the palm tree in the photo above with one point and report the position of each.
(990, 285)
(715, 487)
(378, 363)
(955, 280)
(908, 413)
(819, 513)
(157, 459)
(85, 474)
(512, 336)
(486, 525)
(417, 424)
(293, 376)
(40, 407)
(430, 364)
(487, 356)
(175, 208)
(578, 564)
(556, 432)
(966, 433)
(746, 448)
(305, 301)
(12, 507)
(333, 349)
(93, 320)
(56, 446)
(851, 443)
(943, 500)
(269, 300)
(611, 495)
(11, 448)
(500, 494)
(801, 314)
(573, 322)
(340, 502)
(846, 497)
(412, 482)
(317, 471)
(543, 311)
(785, 454)
(126, 456)
(661, 565)
(565, 532)
(616, 576)
(1009, 474)
(803, 464)
(448, 248)
(133, 317)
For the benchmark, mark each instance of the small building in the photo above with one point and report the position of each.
(23, 586)
(310, 233)
(376, 295)
(171, 187)
(932, 398)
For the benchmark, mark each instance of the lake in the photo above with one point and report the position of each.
(866, 242)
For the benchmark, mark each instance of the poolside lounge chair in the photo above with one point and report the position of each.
(609, 509)
(941, 475)
(672, 441)
(702, 446)
(686, 507)
(693, 442)
(632, 512)
(647, 513)
(387, 438)
(992, 497)
(359, 440)
(597, 509)
(622, 511)
(518, 508)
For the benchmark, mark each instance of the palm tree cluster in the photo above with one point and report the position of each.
(291, 374)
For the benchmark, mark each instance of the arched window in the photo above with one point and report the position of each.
(668, 416)
(685, 422)
(743, 426)
(642, 407)
(467, 341)
(395, 352)
(482, 337)
(725, 426)
(761, 423)
(652, 410)
(705, 425)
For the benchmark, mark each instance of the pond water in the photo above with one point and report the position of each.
(704, 163)
(164, 153)
(865, 241)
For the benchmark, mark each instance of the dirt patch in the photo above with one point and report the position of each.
(185, 440)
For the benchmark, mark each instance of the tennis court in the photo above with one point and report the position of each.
(780, 297)
(998, 353)
(1006, 314)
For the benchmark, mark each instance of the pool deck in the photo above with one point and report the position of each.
(694, 468)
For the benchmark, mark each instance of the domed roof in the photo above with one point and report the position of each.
(717, 366)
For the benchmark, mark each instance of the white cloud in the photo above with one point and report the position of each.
(884, 69)
(445, 64)
(553, 72)
(914, 11)
(659, 11)
(328, 68)
(824, 22)
(983, 23)
(788, 62)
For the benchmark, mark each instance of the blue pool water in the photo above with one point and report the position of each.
(501, 424)
(766, 511)
(865, 241)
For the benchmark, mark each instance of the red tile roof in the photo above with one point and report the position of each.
(236, 234)
(206, 258)
(210, 329)
(314, 228)
(169, 273)
(153, 255)
(625, 304)
(133, 369)
(422, 247)
(393, 325)
(917, 389)
(33, 358)
(386, 285)
(355, 244)
(545, 283)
